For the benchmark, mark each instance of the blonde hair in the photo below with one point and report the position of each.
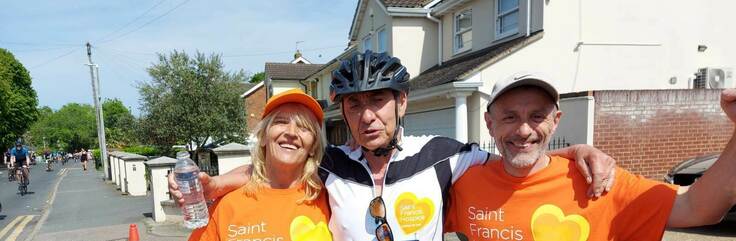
(308, 180)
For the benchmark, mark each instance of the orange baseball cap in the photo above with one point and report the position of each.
(294, 96)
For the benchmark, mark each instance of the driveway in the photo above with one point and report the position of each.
(725, 230)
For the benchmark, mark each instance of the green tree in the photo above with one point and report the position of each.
(191, 99)
(71, 128)
(119, 124)
(18, 101)
(35, 136)
(257, 78)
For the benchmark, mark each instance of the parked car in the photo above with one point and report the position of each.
(688, 171)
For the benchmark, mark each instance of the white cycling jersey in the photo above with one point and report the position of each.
(415, 188)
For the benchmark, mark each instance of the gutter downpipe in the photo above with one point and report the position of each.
(439, 33)
(303, 85)
(528, 17)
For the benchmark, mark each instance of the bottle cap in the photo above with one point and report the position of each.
(182, 154)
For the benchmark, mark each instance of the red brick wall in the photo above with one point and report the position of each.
(254, 105)
(649, 131)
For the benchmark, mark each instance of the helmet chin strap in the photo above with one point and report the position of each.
(385, 151)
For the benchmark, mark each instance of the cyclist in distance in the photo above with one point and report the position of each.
(19, 159)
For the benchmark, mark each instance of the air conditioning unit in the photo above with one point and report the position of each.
(714, 78)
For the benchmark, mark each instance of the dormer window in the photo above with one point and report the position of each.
(507, 18)
(463, 31)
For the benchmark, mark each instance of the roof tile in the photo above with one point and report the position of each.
(451, 70)
(405, 3)
(289, 71)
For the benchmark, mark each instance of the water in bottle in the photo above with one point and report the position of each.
(194, 208)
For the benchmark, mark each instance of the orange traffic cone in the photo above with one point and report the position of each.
(133, 233)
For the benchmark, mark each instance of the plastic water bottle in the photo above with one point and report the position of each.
(194, 208)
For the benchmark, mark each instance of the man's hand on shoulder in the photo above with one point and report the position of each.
(598, 168)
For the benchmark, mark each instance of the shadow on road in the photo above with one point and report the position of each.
(2, 217)
(727, 228)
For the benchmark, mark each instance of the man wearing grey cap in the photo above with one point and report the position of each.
(532, 196)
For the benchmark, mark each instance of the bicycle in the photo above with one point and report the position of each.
(11, 174)
(49, 163)
(23, 182)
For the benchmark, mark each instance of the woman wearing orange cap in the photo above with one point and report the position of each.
(285, 199)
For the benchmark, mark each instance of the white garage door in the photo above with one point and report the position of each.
(436, 122)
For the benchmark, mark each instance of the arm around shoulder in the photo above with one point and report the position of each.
(597, 167)
(220, 185)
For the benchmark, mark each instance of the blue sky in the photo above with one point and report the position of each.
(48, 37)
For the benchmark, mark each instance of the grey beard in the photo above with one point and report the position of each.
(524, 162)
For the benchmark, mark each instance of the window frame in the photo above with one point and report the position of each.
(498, 16)
(312, 86)
(369, 40)
(384, 40)
(456, 32)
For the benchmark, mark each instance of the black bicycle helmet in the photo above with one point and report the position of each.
(366, 72)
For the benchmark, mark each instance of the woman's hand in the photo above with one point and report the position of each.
(214, 187)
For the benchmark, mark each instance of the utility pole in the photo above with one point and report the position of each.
(94, 71)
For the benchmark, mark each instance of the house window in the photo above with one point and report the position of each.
(382, 40)
(312, 85)
(507, 18)
(463, 30)
(367, 43)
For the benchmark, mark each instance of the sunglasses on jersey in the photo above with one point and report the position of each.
(378, 211)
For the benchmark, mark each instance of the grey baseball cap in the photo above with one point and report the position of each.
(524, 79)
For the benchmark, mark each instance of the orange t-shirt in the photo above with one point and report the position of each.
(552, 205)
(270, 215)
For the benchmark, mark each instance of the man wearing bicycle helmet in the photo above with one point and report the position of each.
(393, 187)
(19, 158)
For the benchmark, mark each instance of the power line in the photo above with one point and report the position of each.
(228, 55)
(132, 21)
(147, 23)
(37, 44)
(42, 50)
(54, 59)
(128, 51)
(127, 59)
(281, 52)
(129, 70)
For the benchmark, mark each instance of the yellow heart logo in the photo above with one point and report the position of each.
(549, 223)
(303, 229)
(412, 213)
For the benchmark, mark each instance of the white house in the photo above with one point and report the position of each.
(455, 50)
